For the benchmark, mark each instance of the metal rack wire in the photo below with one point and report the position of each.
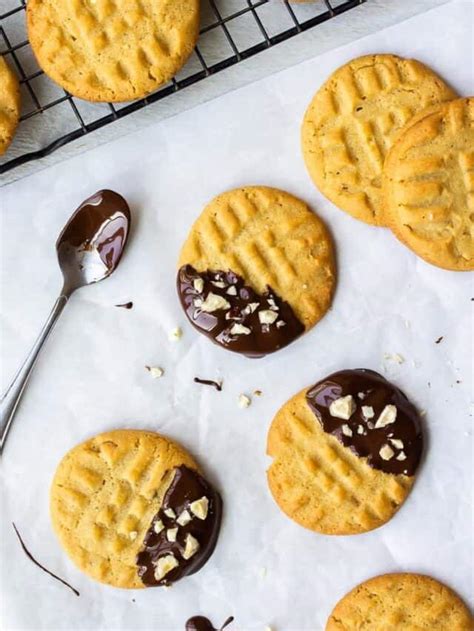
(264, 24)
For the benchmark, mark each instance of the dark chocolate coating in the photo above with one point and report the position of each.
(186, 487)
(101, 223)
(263, 338)
(378, 392)
(200, 623)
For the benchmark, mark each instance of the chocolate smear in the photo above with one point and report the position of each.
(382, 425)
(440, 339)
(31, 557)
(181, 537)
(200, 623)
(126, 305)
(221, 306)
(209, 382)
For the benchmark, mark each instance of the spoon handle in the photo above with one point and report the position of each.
(12, 396)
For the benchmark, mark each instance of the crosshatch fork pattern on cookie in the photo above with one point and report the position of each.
(267, 23)
(322, 484)
(104, 498)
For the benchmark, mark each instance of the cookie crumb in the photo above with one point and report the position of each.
(244, 401)
(176, 334)
(394, 357)
(155, 371)
(258, 393)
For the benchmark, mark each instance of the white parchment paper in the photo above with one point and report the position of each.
(91, 376)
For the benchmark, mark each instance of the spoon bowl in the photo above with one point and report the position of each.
(91, 244)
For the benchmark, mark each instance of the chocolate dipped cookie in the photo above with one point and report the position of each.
(131, 509)
(256, 271)
(345, 453)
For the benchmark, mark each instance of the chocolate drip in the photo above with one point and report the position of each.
(247, 322)
(100, 225)
(209, 382)
(371, 393)
(126, 305)
(37, 563)
(186, 487)
(200, 623)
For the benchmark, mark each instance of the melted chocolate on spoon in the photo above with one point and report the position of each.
(200, 623)
(389, 437)
(178, 523)
(96, 234)
(233, 315)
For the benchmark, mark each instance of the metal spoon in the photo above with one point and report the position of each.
(89, 249)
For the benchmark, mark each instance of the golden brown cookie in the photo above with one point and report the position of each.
(400, 602)
(122, 508)
(345, 453)
(352, 121)
(257, 270)
(9, 105)
(112, 50)
(428, 185)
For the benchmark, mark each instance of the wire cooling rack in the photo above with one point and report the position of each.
(231, 31)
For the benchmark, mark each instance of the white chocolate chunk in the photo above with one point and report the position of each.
(164, 565)
(171, 534)
(244, 401)
(386, 452)
(184, 518)
(191, 546)
(402, 456)
(239, 329)
(360, 429)
(267, 316)
(156, 372)
(251, 308)
(344, 407)
(387, 416)
(214, 302)
(361, 395)
(396, 442)
(218, 283)
(169, 512)
(158, 526)
(198, 284)
(200, 507)
(368, 411)
(232, 291)
(280, 324)
(346, 430)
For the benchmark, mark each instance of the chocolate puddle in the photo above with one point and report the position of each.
(200, 623)
(32, 558)
(392, 445)
(233, 315)
(176, 521)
